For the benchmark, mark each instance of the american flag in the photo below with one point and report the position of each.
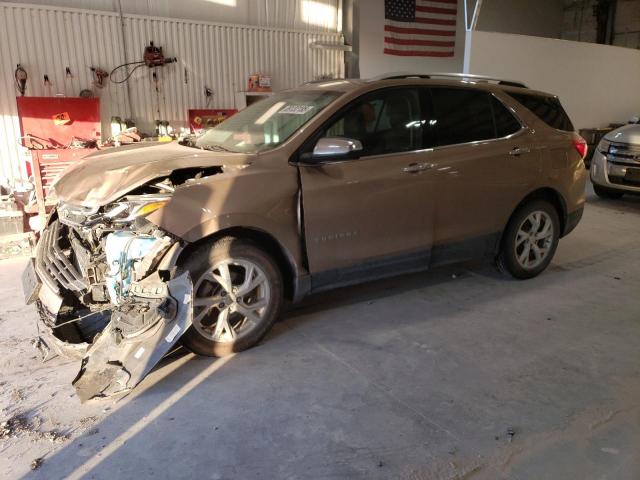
(420, 28)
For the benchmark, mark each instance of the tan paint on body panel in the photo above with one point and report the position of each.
(261, 196)
(354, 210)
(366, 209)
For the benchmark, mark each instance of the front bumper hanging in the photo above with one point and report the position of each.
(150, 308)
(140, 333)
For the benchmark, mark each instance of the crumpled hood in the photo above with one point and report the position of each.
(627, 134)
(105, 176)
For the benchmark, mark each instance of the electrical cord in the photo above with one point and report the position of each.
(137, 65)
(81, 318)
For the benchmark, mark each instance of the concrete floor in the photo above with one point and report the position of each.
(419, 377)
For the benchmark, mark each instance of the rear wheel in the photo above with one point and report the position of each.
(530, 240)
(608, 193)
(237, 296)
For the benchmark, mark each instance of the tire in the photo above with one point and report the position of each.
(607, 193)
(514, 258)
(214, 332)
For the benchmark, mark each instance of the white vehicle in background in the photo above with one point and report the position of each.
(615, 166)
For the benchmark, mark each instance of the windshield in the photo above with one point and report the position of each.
(267, 123)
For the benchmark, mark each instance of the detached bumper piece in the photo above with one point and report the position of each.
(141, 331)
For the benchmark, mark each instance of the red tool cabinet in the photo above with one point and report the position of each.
(48, 126)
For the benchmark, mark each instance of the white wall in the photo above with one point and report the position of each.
(597, 84)
(374, 62)
(296, 14)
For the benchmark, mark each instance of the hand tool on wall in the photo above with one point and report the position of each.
(152, 57)
(208, 93)
(21, 79)
(99, 76)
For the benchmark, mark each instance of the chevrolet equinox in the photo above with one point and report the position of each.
(326, 185)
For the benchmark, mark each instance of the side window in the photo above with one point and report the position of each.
(547, 109)
(370, 112)
(461, 115)
(506, 123)
(388, 121)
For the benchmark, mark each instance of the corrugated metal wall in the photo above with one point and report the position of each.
(294, 14)
(47, 40)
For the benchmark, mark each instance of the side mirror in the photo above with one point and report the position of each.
(331, 148)
(336, 147)
(634, 119)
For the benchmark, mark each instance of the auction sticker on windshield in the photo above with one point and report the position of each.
(297, 109)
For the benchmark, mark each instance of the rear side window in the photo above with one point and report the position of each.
(506, 123)
(461, 116)
(547, 109)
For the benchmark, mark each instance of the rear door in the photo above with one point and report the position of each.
(480, 150)
(558, 138)
(371, 216)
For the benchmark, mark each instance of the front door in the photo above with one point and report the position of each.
(371, 216)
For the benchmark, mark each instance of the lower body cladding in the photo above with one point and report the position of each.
(147, 309)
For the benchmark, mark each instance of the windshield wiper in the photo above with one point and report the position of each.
(217, 148)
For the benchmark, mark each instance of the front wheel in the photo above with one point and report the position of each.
(530, 240)
(237, 296)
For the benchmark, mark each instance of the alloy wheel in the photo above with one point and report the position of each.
(534, 239)
(230, 299)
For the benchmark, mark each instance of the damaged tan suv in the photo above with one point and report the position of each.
(326, 185)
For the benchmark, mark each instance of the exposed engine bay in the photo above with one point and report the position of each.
(108, 290)
(106, 276)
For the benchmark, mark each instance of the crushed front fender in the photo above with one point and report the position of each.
(141, 331)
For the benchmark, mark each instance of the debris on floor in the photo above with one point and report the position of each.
(37, 463)
(87, 422)
(54, 436)
(17, 395)
(15, 426)
(20, 425)
(41, 347)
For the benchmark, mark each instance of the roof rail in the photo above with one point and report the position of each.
(463, 76)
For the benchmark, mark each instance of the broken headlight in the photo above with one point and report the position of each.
(133, 207)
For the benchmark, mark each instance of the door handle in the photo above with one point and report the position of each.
(417, 167)
(515, 151)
